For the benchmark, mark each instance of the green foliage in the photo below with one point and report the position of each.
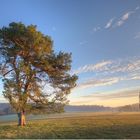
(33, 75)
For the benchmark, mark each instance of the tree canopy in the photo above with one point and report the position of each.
(34, 76)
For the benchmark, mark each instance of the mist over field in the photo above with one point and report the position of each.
(77, 125)
(70, 69)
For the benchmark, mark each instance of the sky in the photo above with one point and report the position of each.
(103, 36)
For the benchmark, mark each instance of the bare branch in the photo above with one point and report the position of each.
(8, 72)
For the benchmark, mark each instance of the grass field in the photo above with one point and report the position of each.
(85, 125)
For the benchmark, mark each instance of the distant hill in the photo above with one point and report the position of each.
(5, 108)
(126, 108)
(97, 108)
(87, 108)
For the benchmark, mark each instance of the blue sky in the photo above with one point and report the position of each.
(103, 36)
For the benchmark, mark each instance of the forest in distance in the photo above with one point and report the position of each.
(6, 109)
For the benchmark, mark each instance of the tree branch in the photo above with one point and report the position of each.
(8, 72)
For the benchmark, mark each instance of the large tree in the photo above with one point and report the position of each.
(34, 76)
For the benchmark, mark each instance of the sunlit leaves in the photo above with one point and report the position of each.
(29, 62)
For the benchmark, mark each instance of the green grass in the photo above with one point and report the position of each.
(92, 125)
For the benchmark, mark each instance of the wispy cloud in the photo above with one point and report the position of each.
(101, 65)
(113, 99)
(111, 66)
(98, 28)
(137, 36)
(124, 18)
(135, 76)
(109, 23)
(97, 82)
(119, 21)
(83, 42)
(137, 8)
(110, 72)
(114, 95)
(93, 67)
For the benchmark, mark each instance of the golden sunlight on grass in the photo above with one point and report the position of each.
(90, 125)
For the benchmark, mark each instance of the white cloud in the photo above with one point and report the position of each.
(110, 72)
(96, 83)
(119, 22)
(133, 76)
(93, 67)
(124, 18)
(101, 65)
(95, 29)
(109, 23)
(126, 15)
(111, 66)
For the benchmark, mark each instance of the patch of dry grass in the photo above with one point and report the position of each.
(92, 125)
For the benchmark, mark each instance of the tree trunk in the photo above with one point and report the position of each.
(21, 119)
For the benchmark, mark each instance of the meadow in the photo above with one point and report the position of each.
(78, 125)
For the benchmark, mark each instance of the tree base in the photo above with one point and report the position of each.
(21, 119)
